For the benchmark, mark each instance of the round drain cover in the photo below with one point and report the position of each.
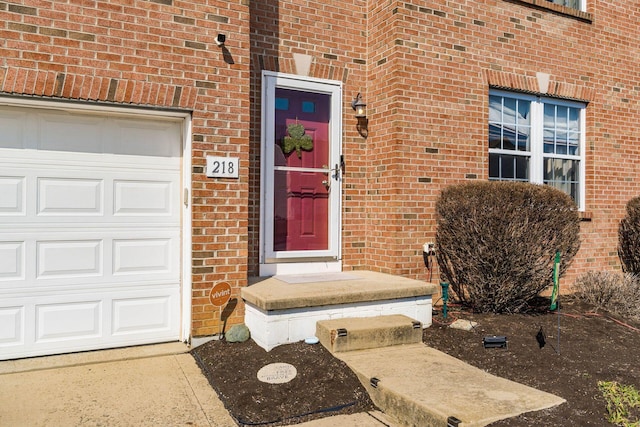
(277, 373)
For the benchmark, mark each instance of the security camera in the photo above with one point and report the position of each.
(220, 39)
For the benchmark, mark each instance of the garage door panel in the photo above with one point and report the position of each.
(71, 258)
(142, 198)
(132, 256)
(90, 231)
(12, 197)
(111, 200)
(60, 131)
(12, 128)
(12, 261)
(134, 136)
(70, 196)
(11, 326)
(102, 318)
(68, 321)
(138, 315)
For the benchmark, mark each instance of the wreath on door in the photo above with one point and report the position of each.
(296, 140)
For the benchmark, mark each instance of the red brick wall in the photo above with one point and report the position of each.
(155, 53)
(428, 69)
(332, 33)
(443, 59)
(424, 69)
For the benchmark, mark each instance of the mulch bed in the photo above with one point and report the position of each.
(323, 386)
(593, 347)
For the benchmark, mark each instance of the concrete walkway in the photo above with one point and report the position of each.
(157, 385)
(421, 386)
(161, 385)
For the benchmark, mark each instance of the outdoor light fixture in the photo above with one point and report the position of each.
(495, 341)
(360, 108)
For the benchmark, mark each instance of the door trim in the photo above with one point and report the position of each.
(272, 262)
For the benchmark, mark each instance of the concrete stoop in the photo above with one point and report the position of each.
(419, 386)
(286, 308)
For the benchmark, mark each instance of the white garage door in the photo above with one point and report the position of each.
(89, 231)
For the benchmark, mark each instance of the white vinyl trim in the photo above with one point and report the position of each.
(186, 290)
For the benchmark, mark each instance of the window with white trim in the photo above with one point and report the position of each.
(574, 4)
(538, 140)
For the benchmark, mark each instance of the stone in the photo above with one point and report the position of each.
(465, 325)
(237, 333)
(277, 373)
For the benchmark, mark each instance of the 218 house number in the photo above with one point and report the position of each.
(222, 167)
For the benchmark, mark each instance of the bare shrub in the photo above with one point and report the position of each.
(497, 241)
(614, 292)
(597, 287)
(629, 238)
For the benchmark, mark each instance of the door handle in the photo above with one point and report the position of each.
(337, 169)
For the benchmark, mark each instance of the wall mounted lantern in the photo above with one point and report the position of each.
(360, 107)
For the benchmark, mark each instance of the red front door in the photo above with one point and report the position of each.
(301, 171)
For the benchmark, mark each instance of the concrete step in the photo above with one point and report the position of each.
(419, 386)
(359, 333)
(285, 308)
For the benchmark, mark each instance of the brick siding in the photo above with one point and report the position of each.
(424, 70)
(156, 53)
(443, 60)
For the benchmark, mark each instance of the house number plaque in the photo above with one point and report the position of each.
(222, 167)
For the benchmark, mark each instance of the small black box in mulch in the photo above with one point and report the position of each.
(495, 341)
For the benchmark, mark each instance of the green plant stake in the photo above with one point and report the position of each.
(555, 294)
(445, 298)
(556, 283)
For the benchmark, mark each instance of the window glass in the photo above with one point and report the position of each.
(536, 140)
(562, 174)
(282, 104)
(509, 123)
(308, 107)
(574, 4)
(561, 129)
(504, 167)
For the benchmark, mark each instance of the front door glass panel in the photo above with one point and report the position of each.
(302, 175)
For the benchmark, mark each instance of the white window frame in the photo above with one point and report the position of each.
(536, 152)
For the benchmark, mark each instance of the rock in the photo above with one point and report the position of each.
(465, 325)
(237, 333)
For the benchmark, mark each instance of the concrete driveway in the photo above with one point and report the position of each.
(156, 385)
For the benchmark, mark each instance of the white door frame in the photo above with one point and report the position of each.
(292, 262)
(77, 107)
